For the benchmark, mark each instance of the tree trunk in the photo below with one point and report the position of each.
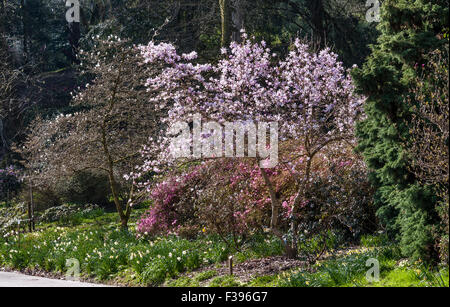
(30, 215)
(237, 17)
(295, 206)
(2, 14)
(226, 22)
(124, 223)
(232, 19)
(113, 184)
(74, 39)
(290, 250)
(3, 142)
(317, 13)
(25, 30)
(124, 216)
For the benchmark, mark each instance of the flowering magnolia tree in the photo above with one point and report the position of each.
(106, 135)
(309, 95)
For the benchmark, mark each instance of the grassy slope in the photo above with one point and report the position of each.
(109, 255)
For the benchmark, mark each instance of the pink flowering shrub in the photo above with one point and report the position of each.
(168, 211)
(229, 197)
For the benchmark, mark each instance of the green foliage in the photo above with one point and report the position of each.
(205, 275)
(263, 281)
(312, 247)
(183, 282)
(85, 187)
(224, 281)
(155, 273)
(70, 214)
(409, 30)
(348, 270)
(433, 278)
(374, 240)
(259, 245)
(106, 252)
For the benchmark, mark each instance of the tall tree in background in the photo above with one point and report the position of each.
(409, 30)
(339, 24)
(232, 20)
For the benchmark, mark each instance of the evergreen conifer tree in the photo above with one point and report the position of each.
(408, 31)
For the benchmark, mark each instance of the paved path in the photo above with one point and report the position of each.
(9, 279)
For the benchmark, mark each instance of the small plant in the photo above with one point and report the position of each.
(155, 273)
(433, 278)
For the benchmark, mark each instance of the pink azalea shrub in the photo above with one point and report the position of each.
(228, 197)
(165, 216)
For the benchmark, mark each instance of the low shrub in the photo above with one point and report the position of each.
(70, 214)
(85, 187)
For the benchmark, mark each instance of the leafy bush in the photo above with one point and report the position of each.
(374, 240)
(155, 273)
(10, 215)
(70, 213)
(44, 197)
(85, 187)
(171, 205)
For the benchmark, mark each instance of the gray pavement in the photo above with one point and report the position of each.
(11, 279)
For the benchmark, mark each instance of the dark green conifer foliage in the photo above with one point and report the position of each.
(409, 30)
